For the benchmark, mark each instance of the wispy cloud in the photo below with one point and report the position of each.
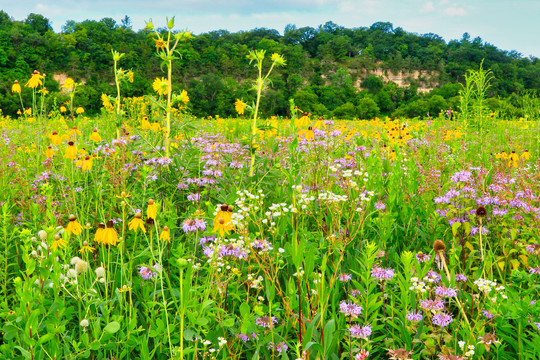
(455, 11)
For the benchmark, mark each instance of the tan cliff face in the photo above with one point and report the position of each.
(401, 78)
(61, 78)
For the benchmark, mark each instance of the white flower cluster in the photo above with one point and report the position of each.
(299, 273)
(246, 203)
(487, 286)
(470, 351)
(256, 282)
(418, 286)
(277, 210)
(330, 197)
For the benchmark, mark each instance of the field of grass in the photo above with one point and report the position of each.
(380, 239)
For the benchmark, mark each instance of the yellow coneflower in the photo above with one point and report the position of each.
(86, 248)
(302, 121)
(87, 163)
(49, 153)
(43, 91)
(526, 155)
(95, 136)
(55, 139)
(124, 288)
(146, 124)
(28, 111)
(71, 151)
(63, 109)
(320, 124)
(151, 210)
(308, 134)
(165, 234)
(110, 237)
(16, 87)
(98, 237)
(73, 226)
(130, 76)
(240, 106)
(79, 110)
(58, 242)
(123, 195)
(74, 131)
(36, 80)
(137, 223)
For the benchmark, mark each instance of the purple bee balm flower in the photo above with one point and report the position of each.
(535, 271)
(345, 277)
(360, 332)
(436, 305)
(433, 276)
(382, 274)
(461, 278)
(189, 226)
(537, 325)
(444, 291)
(147, 273)
(204, 239)
(487, 314)
(266, 321)
(243, 337)
(200, 224)
(279, 347)
(442, 319)
(414, 316)
(350, 309)
(422, 258)
(380, 205)
(475, 230)
(193, 197)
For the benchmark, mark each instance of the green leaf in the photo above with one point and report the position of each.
(228, 322)
(112, 327)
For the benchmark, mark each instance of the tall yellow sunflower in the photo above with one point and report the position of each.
(36, 80)
(161, 86)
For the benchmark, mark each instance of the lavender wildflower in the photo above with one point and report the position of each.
(360, 332)
(442, 319)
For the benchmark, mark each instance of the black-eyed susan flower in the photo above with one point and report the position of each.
(73, 226)
(110, 237)
(58, 243)
(63, 109)
(165, 234)
(302, 121)
(222, 221)
(526, 155)
(79, 110)
(98, 237)
(151, 210)
(137, 223)
(71, 151)
(16, 87)
(95, 136)
(35, 80)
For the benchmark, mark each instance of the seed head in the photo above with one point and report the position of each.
(439, 246)
(481, 211)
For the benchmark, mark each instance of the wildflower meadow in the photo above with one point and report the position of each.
(145, 232)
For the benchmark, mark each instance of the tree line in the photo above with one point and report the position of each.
(331, 70)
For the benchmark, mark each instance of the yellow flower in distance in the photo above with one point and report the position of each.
(106, 102)
(49, 153)
(222, 221)
(183, 97)
(137, 223)
(63, 109)
(55, 138)
(110, 237)
(73, 226)
(526, 155)
(16, 87)
(36, 80)
(79, 110)
(71, 151)
(87, 163)
(68, 84)
(240, 106)
(161, 86)
(95, 136)
(98, 237)
(86, 248)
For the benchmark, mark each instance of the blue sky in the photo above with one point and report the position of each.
(508, 24)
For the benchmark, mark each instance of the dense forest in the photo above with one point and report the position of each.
(331, 70)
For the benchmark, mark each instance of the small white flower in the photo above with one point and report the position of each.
(84, 323)
(281, 250)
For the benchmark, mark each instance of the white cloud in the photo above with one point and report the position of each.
(455, 11)
(428, 7)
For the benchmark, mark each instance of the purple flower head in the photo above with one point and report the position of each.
(379, 205)
(189, 226)
(147, 273)
(382, 274)
(345, 277)
(443, 291)
(432, 305)
(461, 278)
(279, 347)
(488, 315)
(535, 271)
(414, 316)
(422, 258)
(350, 309)
(194, 197)
(243, 337)
(462, 176)
(360, 332)
(442, 319)
(266, 321)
